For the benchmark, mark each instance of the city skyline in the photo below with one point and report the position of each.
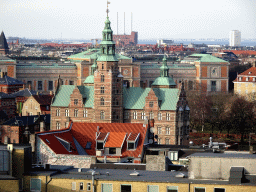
(80, 20)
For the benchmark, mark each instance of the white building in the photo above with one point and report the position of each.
(164, 42)
(235, 38)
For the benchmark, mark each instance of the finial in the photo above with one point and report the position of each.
(107, 7)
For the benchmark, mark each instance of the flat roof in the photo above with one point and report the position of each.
(224, 155)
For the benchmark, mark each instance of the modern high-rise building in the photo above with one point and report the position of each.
(235, 38)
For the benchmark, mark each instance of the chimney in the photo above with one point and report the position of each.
(151, 122)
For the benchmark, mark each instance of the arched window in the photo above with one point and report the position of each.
(102, 101)
(102, 115)
(102, 78)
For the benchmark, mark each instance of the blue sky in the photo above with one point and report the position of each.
(152, 19)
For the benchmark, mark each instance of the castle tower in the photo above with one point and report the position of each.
(164, 81)
(108, 94)
(4, 49)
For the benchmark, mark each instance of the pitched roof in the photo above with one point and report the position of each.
(205, 58)
(115, 139)
(62, 97)
(84, 133)
(248, 73)
(43, 99)
(4, 58)
(6, 80)
(5, 96)
(92, 54)
(89, 79)
(133, 97)
(24, 93)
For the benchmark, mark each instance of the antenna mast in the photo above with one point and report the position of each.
(124, 23)
(117, 25)
(107, 7)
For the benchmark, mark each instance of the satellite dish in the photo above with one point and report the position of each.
(150, 141)
(152, 129)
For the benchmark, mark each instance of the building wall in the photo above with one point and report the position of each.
(9, 185)
(218, 168)
(45, 155)
(31, 106)
(10, 132)
(244, 88)
(65, 185)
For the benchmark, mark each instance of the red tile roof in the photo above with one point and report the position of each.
(86, 132)
(132, 136)
(115, 139)
(242, 52)
(101, 136)
(250, 73)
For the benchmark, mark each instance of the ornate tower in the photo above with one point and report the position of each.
(108, 94)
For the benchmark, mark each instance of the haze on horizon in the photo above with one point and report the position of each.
(48, 19)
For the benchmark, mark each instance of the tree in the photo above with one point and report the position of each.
(240, 115)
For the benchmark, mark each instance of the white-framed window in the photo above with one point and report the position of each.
(151, 115)
(246, 85)
(88, 187)
(159, 116)
(159, 141)
(167, 131)
(35, 184)
(57, 112)
(172, 188)
(247, 78)
(57, 125)
(73, 187)
(153, 188)
(81, 186)
(66, 124)
(143, 115)
(102, 115)
(106, 187)
(168, 116)
(67, 112)
(159, 130)
(253, 79)
(199, 189)
(167, 141)
(85, 113)
(76, 113)
(240, 78)
(135, 115)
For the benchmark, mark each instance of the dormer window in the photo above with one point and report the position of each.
(240, 78)
(247, 78)
(253, 78)
(99, 145)
(132, 141)
(112, 151)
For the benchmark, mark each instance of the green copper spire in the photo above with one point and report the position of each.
(164, 70)
(107, 45)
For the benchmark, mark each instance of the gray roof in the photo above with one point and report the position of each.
(24, 93)
(224, 155)
(5, 96)
(6, 80)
